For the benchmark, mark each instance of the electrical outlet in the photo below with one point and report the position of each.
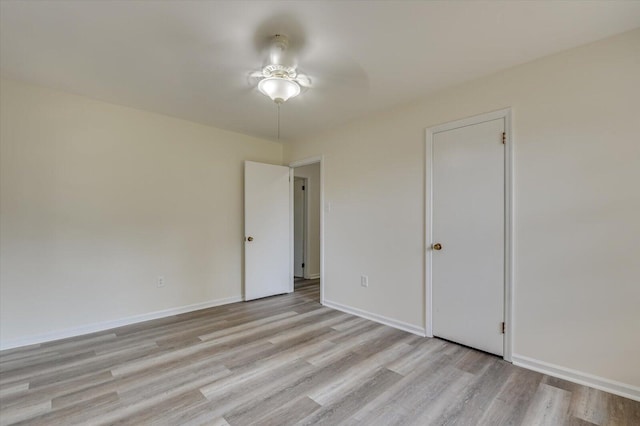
(160, 282)
(364, 281)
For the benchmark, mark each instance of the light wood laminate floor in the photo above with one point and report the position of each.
(279, 361)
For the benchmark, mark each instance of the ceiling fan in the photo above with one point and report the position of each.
(330, 74)
(279, 79)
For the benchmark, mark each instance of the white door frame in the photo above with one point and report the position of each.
(300, 163)
(305, 224)
(508, 219)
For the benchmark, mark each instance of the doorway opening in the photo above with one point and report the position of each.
(307, 218)
(300, 263)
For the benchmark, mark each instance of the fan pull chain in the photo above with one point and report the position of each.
(278, 120)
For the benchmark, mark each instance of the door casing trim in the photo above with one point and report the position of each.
(509, 247)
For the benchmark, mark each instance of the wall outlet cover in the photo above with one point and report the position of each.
(364, 281)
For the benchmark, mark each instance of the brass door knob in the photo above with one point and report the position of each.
(437, 246)
(250, 239)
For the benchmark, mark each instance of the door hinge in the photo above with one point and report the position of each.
(303, 265)
(504, 138)
(303, 187)
(502, 327)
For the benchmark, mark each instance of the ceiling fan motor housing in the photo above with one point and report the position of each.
(280, 71)
(279, 80)
(278, 49)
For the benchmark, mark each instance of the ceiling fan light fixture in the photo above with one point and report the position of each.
(279, 89)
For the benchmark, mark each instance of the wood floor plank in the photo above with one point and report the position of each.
(288, 414)
(292, 334)
(44, 395)
(81, 413)
(79, 342)
(416, 389)
(157, 414)
(622, 411)
(550, 405)
(340, 409)
(344, 383)
(418, 356)
(439, 411)
(20, 352)
(142, 380)
(590, 405)
(250, 388)
(247, 325)
(42, 367)
(18, 412)
(284, 360)
(351, 322)
(303, 384)
(266, 326)
(371, 333)
(97, 364)
(512, 401)
(13, 389)
(473, 401)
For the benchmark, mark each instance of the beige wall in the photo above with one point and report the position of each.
(98, 201)
(312, 173)
(576, 134)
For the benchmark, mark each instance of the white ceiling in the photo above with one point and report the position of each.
(191, 59)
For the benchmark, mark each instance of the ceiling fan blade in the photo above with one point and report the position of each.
(338, 75)
(304, 81)
(330, 68)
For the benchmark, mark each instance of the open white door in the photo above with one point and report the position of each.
(267, 230)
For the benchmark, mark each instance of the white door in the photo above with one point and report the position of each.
(468, 224)
(299, 225)
(267, 230)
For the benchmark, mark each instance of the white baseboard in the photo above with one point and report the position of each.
(420, 331)
(106, 325)
(312, 277)
(618, 388)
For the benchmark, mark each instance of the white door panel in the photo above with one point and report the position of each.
(468, 221)
(267, 223)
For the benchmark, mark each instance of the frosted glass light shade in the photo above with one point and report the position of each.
(279, 89)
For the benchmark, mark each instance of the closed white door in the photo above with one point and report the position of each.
(267, 230)
(299, 225)
(468, 235)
